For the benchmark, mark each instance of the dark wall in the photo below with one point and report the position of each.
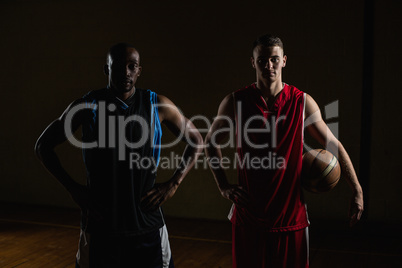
(195, 53)
(385, 180)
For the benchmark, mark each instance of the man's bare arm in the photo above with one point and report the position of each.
(179, 126)
(320, 132)
(215, 136)
(54, 135)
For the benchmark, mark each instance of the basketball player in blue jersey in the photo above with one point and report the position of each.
(122, 224)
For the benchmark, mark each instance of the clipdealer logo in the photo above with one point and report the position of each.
(112, 128)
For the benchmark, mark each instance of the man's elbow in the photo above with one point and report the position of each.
(41, 148)
(38, 148)
(199, 141)
(208, 144)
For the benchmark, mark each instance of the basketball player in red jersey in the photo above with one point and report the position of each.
(269, 217)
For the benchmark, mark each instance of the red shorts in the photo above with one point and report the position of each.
(253, 248)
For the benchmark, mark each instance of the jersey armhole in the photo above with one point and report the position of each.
(156, 129)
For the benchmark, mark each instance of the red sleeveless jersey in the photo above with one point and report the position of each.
(269, 159)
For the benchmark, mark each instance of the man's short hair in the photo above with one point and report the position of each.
(268, 40)
(117, 49)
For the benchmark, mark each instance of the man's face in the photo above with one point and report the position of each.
(123, 69)
(268, 62)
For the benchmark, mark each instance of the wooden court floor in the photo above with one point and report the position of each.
(33, 237)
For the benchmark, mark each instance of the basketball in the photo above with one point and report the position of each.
(320, 172)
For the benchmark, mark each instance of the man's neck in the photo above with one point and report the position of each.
(269, 89)
(125, 95)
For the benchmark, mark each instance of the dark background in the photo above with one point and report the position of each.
(196, 53)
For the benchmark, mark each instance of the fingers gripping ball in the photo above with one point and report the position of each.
(320, 172)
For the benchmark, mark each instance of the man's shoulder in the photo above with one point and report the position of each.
(292, 91)
(244, 91)
(148, 92)
(246, 88)
(97, 94)
(146, 95)
(291, 87)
